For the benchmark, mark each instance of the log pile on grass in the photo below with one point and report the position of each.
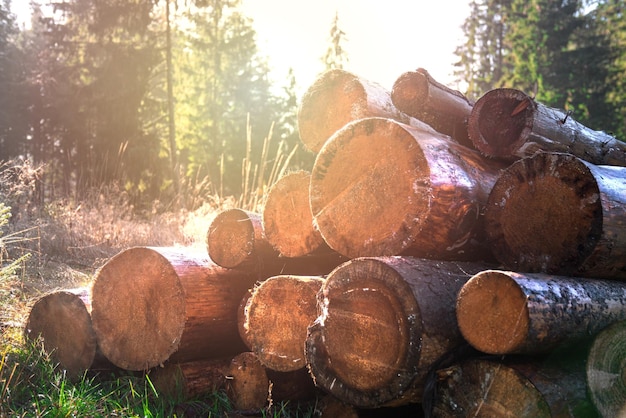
(439, 254)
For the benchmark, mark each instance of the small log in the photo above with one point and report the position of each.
(508, 123)
(62, 320)
(236, 238)
(248, 383)
(501, 312)
(381, 188)
(419, 95)
(337, 97)
(287, 217)
(277, 316)
(156, 304)
(606, 374)
(511, 388)
(558, 214)
(383, 323)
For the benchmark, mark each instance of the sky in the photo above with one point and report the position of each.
(383, 38)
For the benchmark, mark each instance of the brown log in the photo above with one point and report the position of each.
(510, 124)
(383, 323)
(337, 97)
(513, 388)
(606, 374)
(419, 95)
(277, 317)
(248, 384)
(559, 214)
(503, 312)
(191, 379)
(380, 188)
(62, 320)
(155, 304)
(287, 217)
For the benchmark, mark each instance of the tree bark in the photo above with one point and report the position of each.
(558, 214)
(276, 319)
(156, 304)
(606, 375)
(419, 95)
(62, 320)
(508, 123)
(501, 312)
(287, 217)
(513, 388)
(337, 97)
(383, 322)
(381, 188)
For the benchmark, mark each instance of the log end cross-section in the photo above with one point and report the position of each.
(231, 237)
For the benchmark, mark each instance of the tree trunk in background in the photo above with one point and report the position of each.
(502, 312)
(156, 304)
(380, 188)
(419, 95)
(606, 375)
(558, 214)
(62, 319)
(277, 316)
(521, 388)
(287, 218)
(337, 97)
(508, 123)
(383, 323)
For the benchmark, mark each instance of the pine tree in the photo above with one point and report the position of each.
(336, 55)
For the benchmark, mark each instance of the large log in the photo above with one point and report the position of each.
(156, 304)
(337, 97)
(502, 312)
(62, 320)
(558, 214)
(606, 373)
(508, 123)
(521, 387)
(379, 187)
(277, 316)
(419, 95)
(287, 218)
(236, 238)
(383, 323)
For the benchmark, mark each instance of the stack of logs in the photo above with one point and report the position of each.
(467, 258)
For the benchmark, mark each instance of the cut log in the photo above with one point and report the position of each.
(337, 97)
(502, 312)
(606, 371)
(277, 317)
(62, 320)
(512, 388)
(248, 383)
(155, 304)
(383, 323)
(236, 238)
(191, 379)
(558, 214)
(419, 95)
(508, 123)
(381, 188)
(287, 217)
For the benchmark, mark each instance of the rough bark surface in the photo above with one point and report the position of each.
(558, 214)
(502, 312)
(419, 95)
(337, 97)
(381, 188)
(287, 218)
(155, 304)
(606, 374)
(383, 323)
(510, 124)
(276, 319)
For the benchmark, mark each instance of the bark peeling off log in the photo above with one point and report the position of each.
(606, 371)
(503, 312)
(558, 214)
(508, 123)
